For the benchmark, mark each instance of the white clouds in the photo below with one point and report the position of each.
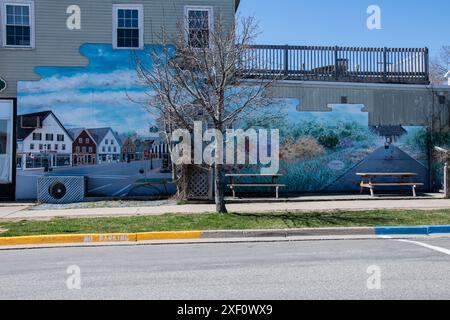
(116, 79)
(93, 110)
(79, 100)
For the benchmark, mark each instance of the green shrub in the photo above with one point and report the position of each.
(329, 141)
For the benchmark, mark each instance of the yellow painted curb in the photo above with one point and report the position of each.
(145, 236)
(98, 238)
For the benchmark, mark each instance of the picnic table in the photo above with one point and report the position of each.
(271, 180)
(405, 179)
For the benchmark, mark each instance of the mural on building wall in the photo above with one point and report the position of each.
(323, 151)
(91, 121)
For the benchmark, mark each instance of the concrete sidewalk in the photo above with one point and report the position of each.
(24, 212)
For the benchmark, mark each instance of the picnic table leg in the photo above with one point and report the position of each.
(232, 187)
(372, 193)
(363, 181)
(401, 187)
(413, 188)
(274, 182)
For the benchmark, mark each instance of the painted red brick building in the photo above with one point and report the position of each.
(84, 148)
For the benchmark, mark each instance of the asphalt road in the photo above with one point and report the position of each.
(287, 270)
(113, 179)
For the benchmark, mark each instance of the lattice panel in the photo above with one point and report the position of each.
(74, 189)
(200, 184)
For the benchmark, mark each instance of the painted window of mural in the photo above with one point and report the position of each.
(5, 142)
(198, 26)
(18, 24)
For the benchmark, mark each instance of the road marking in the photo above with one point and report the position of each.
(109, 177)
(122, 190)
(100, 188)
(438, 249)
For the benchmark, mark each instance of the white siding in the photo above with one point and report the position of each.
(105, 145)
(50, 125)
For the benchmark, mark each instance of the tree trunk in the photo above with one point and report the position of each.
(219, 192)
(447, 179)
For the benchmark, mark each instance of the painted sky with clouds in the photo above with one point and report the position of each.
(106, 93)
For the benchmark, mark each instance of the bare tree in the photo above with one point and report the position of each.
(440, 65)
(202, 72)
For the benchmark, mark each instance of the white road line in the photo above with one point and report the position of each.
(438, 249)
(100, 188)
(109, 177)
(122, 190)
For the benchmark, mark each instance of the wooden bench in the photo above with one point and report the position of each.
(368, 181)
(235, 183)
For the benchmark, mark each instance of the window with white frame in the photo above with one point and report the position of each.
(128, 21)
(17, 23)
(199, 24)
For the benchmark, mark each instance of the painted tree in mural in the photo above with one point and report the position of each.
(440, 65)
(200, 74)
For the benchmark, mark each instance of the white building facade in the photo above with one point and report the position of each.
(47, 145)
(109, 147)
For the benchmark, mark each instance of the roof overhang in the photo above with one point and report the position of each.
(237, 3)
(447, 75)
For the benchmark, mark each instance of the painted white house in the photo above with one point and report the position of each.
(447, 76)
(109, 147)
(42, 141)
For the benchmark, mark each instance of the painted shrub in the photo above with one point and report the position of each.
(323, 151)
(340, 143)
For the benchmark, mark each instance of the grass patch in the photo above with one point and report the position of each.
(178, 222)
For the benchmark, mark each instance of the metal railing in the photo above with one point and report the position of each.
(342, 64)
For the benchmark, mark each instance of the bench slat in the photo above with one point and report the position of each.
(257, 185)
(367, 185)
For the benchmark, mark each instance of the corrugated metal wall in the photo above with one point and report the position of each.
(387, 104)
